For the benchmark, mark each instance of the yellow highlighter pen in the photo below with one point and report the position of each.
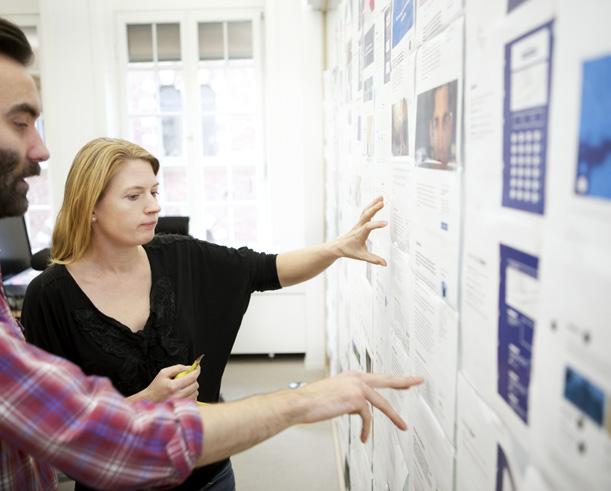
(191, 368)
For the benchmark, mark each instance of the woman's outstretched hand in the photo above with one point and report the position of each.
(354, 243)
(300, 265)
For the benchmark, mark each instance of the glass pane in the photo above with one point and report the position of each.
(172, 136)
(211, 41)
(228, 135)
(146, 132)
(239, 38)
(237, 135)
(244, 182)
(168, 42)
(216, 224)
(209, 135)
(141, 92)
(216, 185)
(174, 185)
(228, 89)
(170, 90)
(208, 96)
(39, 189)
(245, 223)
(139, 42)
(40, 227)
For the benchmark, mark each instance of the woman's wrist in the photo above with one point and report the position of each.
(143, 395)
(333, 249)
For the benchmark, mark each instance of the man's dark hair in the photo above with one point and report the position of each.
(14, 44)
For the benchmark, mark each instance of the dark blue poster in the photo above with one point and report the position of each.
(518, 296)
(402, 19)
(594, 159)
(528, 68)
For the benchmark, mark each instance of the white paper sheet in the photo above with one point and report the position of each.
(571, 383)
(500, 305)
(431, 457)
(433, 16)
(488, 457)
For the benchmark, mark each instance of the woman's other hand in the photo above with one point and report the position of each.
(165, 386)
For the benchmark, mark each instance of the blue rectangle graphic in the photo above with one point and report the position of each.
(518, 277)
(585, 395)
(528, 68)
(402, 19)
(594, 159)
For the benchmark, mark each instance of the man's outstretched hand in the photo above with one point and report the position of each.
(352, 393)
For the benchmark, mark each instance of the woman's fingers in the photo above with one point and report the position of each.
(371, 210)
(172, 371)
(369, 226)
(365, 414)
(374, 259)
(187, 380)
(375, 201)
(190, 392)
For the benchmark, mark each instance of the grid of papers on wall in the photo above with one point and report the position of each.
(486, 126)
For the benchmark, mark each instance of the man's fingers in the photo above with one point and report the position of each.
(383, 405)
(390, 381)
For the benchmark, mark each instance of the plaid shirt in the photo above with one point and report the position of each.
(52, 415)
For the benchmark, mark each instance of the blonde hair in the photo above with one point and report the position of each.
(92, 169)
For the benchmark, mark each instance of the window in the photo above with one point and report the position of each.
(193, 98)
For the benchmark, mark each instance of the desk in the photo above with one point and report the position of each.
(15, 288)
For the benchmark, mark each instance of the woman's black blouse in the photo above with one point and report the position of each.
(199, 293)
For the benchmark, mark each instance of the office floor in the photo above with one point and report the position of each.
(301, 458)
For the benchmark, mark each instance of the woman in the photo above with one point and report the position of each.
(139, 308)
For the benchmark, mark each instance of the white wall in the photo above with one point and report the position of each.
(79, 66)
(294, 143)
(72, 75)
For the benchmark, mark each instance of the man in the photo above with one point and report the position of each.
(51, 415)
(441, 126)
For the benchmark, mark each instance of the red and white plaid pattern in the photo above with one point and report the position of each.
(52, 415)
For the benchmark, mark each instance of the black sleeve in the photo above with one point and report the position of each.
(262, 267)
(259, 267)
(45, 319)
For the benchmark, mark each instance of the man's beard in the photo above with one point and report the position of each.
(12, 201)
